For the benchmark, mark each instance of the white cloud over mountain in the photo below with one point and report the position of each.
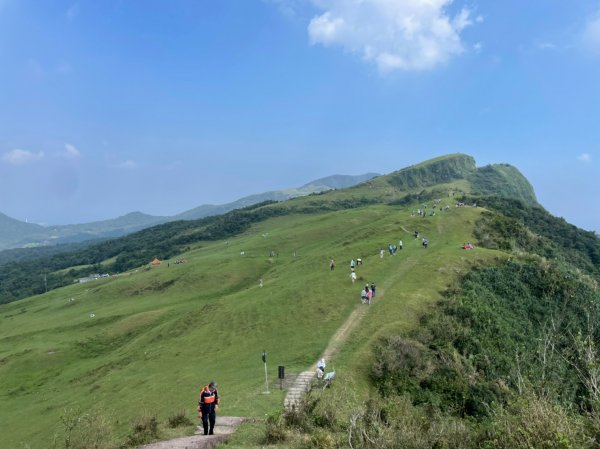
(392, 34)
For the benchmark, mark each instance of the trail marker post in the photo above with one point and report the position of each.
(281, 372)
(264, 359)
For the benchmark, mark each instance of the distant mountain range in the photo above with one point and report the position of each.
(19, 234)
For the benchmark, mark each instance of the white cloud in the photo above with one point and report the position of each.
(591, 33)
(289, 8)
(128, 164)
(585, 157)
(393, 34)
(71, 152)
(22, 157)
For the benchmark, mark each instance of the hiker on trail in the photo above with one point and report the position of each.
(353, 276)
(358, 261)
(369, 293)
(373, 287)
(400, 245)
(381, 253)
(363, 295)
(332, 264)
(352, 264)
(208, 404)
(320, 369)
(321, 365)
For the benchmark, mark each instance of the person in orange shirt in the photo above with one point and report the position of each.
(208, 404)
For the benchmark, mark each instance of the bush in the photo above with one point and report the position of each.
(534, 422)
(396, 423)
(275, 428)
(144, 431)
(84, 431)
(179, 419)
(322, 440)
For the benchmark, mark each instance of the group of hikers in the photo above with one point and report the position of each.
(368, 293)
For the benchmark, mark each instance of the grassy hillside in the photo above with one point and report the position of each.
(435, 347)
(158, 334)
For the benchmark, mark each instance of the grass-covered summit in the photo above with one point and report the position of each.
(433, 355)
(502, 180)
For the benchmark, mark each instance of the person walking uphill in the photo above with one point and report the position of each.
(208, 404)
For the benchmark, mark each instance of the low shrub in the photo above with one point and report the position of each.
(535, 422)
(275, 428)
(83, 431)
(179, 419)
(144, 431)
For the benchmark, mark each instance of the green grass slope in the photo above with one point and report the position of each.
(438, 179)
(144, 341)
(157, 335)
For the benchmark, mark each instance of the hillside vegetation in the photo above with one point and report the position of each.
(444, 176)
(18, 234)
(493, 347)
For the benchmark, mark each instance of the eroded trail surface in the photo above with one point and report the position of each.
(224, 427)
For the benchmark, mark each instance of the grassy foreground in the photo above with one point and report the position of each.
(143, 343)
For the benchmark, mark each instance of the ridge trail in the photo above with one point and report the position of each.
(303, 382)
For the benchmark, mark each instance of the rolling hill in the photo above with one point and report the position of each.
(433, 355)
(18, 234)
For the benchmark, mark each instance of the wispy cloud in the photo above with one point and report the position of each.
(35, 70)
(63, 68)
(72, 12)
(547, 46)
(584, 157)
(393, 35)
(22, 157)
(71, 152)
(591, 34)
(128, 164)
(289, 8)
(174, 165)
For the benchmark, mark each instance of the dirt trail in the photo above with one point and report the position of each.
(303, 382)
(224, 427)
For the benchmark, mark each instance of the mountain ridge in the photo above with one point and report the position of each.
(18, 234)
(258, 279)
(443, 177)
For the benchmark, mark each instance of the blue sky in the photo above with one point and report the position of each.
(107, 107)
